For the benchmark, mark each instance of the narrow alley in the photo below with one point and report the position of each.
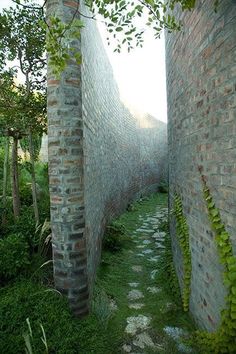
(146, 317)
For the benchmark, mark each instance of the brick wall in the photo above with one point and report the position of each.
(124, 154)
(101, 157)
(201, 86)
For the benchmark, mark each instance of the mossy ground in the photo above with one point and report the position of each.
(116, 272)
(102, 332)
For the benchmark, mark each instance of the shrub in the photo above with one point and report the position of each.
(14, 253)
(114, 237)
(26, 195)
(25, 225)
(163, 187)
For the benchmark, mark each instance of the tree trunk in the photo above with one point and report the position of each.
(34, 188)
(15, 179)
(5, 178)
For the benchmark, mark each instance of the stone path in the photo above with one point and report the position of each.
(148, 246)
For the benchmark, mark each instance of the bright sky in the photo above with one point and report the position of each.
(141, 78)
(140, 75)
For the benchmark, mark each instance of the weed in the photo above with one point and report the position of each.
(101, 306)
(114, 237)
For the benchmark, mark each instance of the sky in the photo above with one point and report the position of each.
(140, 74)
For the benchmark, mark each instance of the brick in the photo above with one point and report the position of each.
(202, 126)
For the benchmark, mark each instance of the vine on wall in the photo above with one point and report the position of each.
(183, 237)
(224, 339)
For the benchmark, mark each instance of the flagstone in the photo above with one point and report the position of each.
(136, 323)
(135, 294)
(137, 268)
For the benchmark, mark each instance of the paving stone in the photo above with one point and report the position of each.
(143, 340)
(136, 306)
(113, 306)
(183, 348)
(136, 323)
(159, 235)
(133, 285)
(160, 215)
(153, 273)
(155, 226)
(177, 333)
(168, 307)
(148, 251)
(127, 348)
(135, 294)
(145, 230)
(152, 219)
(154, 259)
(147, 242)
(159, 245)
(153, 289)
(162, 234)
(137, 268)
(174, 332)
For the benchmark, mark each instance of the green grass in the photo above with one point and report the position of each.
(65, 334)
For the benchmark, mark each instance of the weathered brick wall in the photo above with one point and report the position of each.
(124, 155)
(201, 86)
(65, 157)
(100, 158)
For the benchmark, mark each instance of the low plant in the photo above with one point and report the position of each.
(114, 237)
(14, 252)
(101, 306)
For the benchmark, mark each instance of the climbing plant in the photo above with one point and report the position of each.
(224, 339)
(183, 238)
(166, 263)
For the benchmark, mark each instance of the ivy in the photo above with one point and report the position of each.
(183, 238)
(224, 339)
(166, 266)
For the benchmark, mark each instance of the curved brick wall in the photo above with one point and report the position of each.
(101, 157)
(124, 154)
(201, 85)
